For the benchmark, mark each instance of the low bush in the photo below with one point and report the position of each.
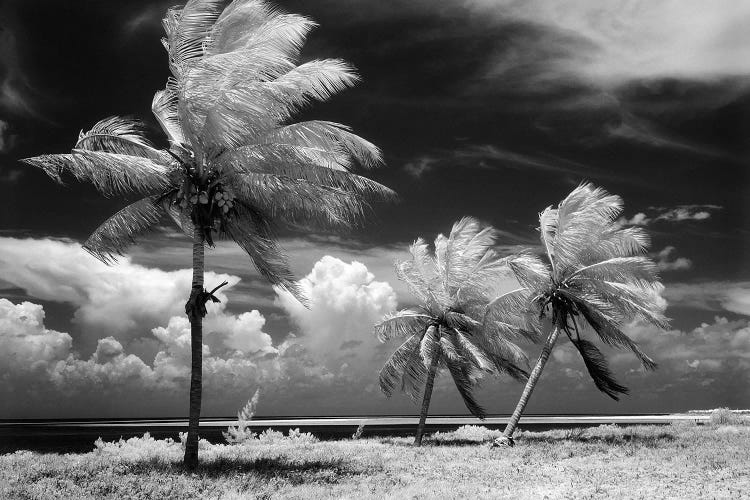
(725, 416)
(466, 434)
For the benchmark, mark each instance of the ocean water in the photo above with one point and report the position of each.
(78, 436)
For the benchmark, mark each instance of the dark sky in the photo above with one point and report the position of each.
(490, 108)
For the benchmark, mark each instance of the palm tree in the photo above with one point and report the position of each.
(237, 166)
(464, 322)
(598, 278)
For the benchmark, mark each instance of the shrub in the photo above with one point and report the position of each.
(270, 436)
(295, 436)
(724, 416)
(475, 433)
(141, 448)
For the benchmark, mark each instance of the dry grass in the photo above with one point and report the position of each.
(677, 461)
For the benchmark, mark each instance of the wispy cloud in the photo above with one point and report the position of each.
(636, 40)
(7, 140)
(712, 296)
(150, 15)
(419, 166)
(640, 130)
(15, 88)
(491, 156)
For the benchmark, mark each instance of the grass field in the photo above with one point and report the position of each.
(673, 461)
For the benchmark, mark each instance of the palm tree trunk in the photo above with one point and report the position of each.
(507, 437)
(426, 399)
(196, 351)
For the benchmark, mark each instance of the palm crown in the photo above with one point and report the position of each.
(464, 321)
(597, 278)
(237, 165)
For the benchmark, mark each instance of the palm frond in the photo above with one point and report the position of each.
(469, 259)
(465, 381)
(473, 353)
(618, 269)
(251, 231)
(508, 304)
(239, 112)
(295, 202)
(118, 232)
(317, 80)
(583, 216)
(165, 109)
(429, 346)
(611, 334)
(461, 321)
(530, 271)
(53, 165)
(598, 369)
(317, 166)
(624, 302)
(254, 26)
(110, 173)
(450, 349)
(401, 323)
(613, 242)
(404, 370)
(548, 221)
(421, 277)
(122, 136)
(328, 136)
(188, 30)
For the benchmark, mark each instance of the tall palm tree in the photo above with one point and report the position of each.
(237, 166)
(464, 321)
(597, 279)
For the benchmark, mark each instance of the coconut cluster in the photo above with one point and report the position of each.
(217, 195)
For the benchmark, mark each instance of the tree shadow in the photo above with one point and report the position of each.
(296, 471)
(458, 442)
(429, 442)
(647, 440)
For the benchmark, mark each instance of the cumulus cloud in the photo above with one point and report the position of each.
(680, 213)
(25, 343)
(714, 355)
(39, 366)
(124, 300)
(161, 249)
(665, 262)
(639, 219)
(334, 344)
(345, 301)
(710, 346)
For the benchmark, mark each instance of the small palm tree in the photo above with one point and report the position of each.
(598, 279)
(237, 166)
(464, 321)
